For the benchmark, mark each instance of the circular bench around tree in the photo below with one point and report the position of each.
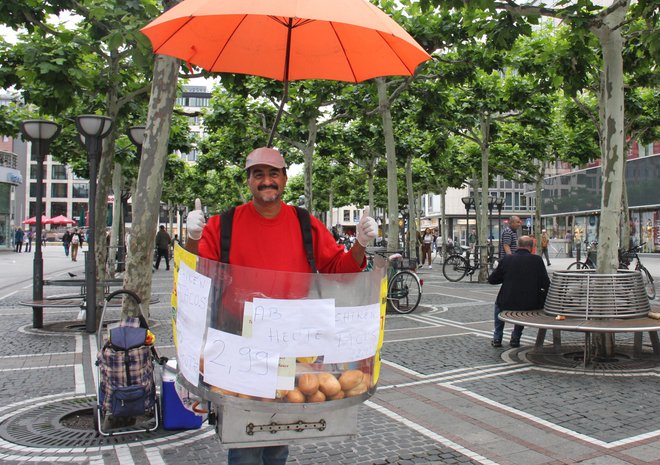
(584, 301)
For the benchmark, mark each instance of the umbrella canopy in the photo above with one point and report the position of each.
(342, 40)
(61, 219)
(33, 220)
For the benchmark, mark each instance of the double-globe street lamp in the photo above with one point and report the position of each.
(469, 203)
(40, 133)
(93, 129)
(494, 201)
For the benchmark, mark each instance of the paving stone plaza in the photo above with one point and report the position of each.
(445, 396)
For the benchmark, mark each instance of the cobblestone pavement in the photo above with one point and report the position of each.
(445, 395)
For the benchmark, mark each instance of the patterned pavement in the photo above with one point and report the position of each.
(445, 396)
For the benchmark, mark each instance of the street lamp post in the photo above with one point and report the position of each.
(40, 133)
(182, 210)
(499, 203)
(93, 129)
(136, 135)
(468, 202)
(491, 204)
(121, 264)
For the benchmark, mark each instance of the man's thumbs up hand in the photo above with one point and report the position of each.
(367, 229)
(196, 221)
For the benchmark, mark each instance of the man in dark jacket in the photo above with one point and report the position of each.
(524, 282)
(163, 247)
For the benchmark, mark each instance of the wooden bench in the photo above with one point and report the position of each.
(70, 301)
(539, 319)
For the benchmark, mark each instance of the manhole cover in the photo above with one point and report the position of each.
(572, 357)
(65, 423)
(73, 326)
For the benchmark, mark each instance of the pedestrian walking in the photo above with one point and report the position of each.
(545, 242)
(66, 242)
(28, 241)
(163, 241)
(524, 282)
(76, 242)
(427, 241)
(18, 240)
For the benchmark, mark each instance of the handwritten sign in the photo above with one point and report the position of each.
(299, 328)
(192, 293)
(356, 334)
(239, 364)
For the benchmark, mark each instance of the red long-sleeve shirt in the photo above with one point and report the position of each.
(276, 243)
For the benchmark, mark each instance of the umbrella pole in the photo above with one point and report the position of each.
(285, 94)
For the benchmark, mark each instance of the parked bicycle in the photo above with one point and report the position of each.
(457, 266)
(589, 263)
(404, 288)
(625, 260)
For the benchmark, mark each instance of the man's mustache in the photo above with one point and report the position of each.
(270, 186)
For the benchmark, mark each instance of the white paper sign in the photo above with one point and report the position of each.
(240, 364)
(356, 334)
(299, 328)
(192, 298)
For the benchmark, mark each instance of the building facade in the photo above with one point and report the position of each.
(571, 201)
(462, 223)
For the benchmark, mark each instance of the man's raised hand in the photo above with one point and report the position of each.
(367, 229)
(196, 221)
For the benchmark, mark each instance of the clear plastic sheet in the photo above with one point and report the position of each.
(278, 336)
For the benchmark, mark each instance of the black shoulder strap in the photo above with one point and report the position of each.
(226, 223)
(227, 220)
(306, 230)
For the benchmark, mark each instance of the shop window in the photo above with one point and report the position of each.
(58, 190)
(80, 190)
(57, 208)
(58, 172)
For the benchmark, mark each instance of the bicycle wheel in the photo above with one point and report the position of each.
(649, 287)
(404, 291)
(455, 268)
(493, 262)
(577, 266)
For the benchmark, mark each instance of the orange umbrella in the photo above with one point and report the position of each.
(343, 40)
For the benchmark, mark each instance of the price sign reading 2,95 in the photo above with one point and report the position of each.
(237, 364)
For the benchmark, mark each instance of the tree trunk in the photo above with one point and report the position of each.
(443, 222)
(538, 185)
(412, 212)
(612, 122)
(308, 152)
(370, 185)
(150, 180)
(117, 184)
(611, 103)
(481, 199)
(390, 151)
(331, 204)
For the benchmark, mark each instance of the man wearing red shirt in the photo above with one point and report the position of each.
(266, 235)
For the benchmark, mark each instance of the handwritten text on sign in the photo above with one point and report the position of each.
(240, 364)
(355, 335)
(299, 328)
(192, 290)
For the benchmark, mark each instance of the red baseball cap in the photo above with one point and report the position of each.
(265, 156)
